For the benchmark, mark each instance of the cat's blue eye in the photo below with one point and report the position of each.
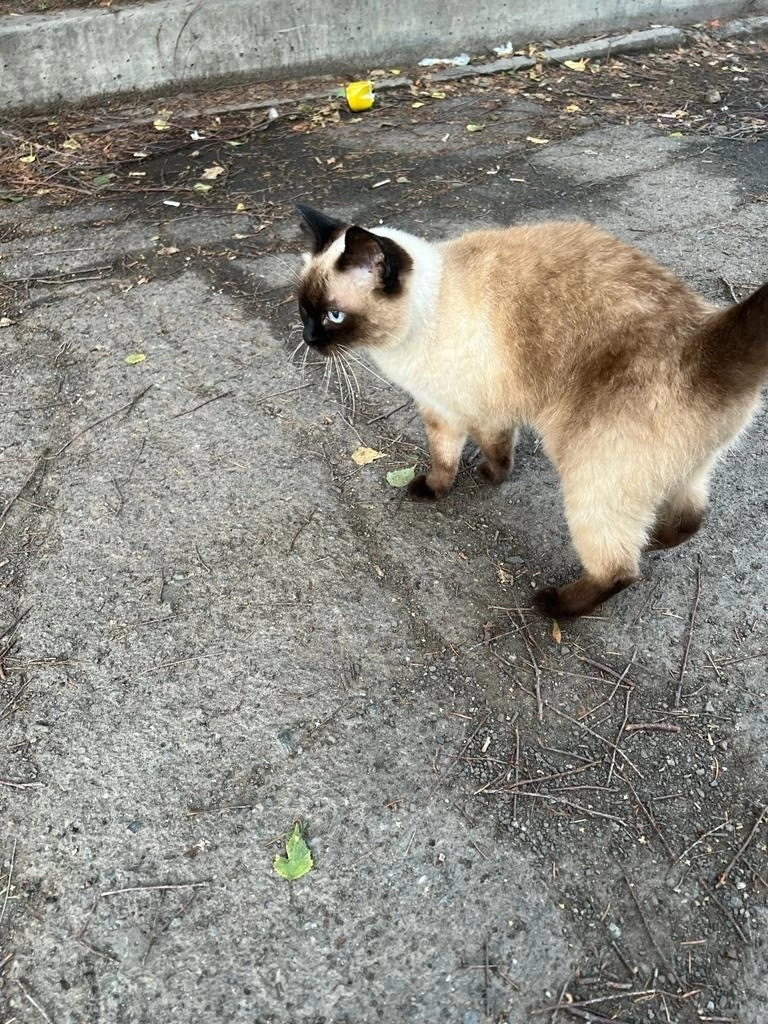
(335, 316)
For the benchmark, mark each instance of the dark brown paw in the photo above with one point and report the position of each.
(579, 598)
(493, 472)
(419, 489)
(669, 535)
(547, 602)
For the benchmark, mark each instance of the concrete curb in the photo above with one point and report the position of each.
(631, 42)
(78, 56)
(743, 28)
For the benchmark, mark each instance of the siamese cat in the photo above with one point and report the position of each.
(635, 384)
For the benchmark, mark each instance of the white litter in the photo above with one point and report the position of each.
(457, 62)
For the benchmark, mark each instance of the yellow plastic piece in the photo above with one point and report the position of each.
(359, 95)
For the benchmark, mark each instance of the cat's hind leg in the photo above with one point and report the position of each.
(682, 512)
(609, 518)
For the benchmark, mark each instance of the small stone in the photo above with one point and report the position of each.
(285, 739)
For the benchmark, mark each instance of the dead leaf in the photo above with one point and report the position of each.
(576, 65)
(365, 456)
(535, 141)
(475, 127)
(504, 577)
(212, 173)
(572, 108)
(557, 635)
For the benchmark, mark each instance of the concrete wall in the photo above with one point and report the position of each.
(75, 56)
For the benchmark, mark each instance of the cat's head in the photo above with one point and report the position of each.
(353, 289)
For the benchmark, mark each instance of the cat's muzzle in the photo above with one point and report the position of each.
(317, 340)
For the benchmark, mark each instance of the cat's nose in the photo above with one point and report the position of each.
(313, 337)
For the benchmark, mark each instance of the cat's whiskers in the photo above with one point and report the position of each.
(295, 352)
(346, 355)
(292, 269)
(367, 367)
(347, 391)
(327, 375)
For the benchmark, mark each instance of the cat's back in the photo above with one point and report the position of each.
(566, 277)
(554, 250)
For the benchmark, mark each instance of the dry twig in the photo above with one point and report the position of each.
(127, 408)
(34, 1003)
(741, 850)
(155, 888)
(684, 664)
(8, 884)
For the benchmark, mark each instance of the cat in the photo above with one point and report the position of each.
(635, 384)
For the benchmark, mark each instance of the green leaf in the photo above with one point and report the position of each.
(401, 477)
(135, 357)
(298, 860)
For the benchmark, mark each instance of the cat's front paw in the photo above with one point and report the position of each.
(419, 489)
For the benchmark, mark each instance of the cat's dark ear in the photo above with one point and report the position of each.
(321, 230)
(380, 257)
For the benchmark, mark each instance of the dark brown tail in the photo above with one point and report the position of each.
(733, 346)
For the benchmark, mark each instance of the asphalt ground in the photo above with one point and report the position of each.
(217, 624)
